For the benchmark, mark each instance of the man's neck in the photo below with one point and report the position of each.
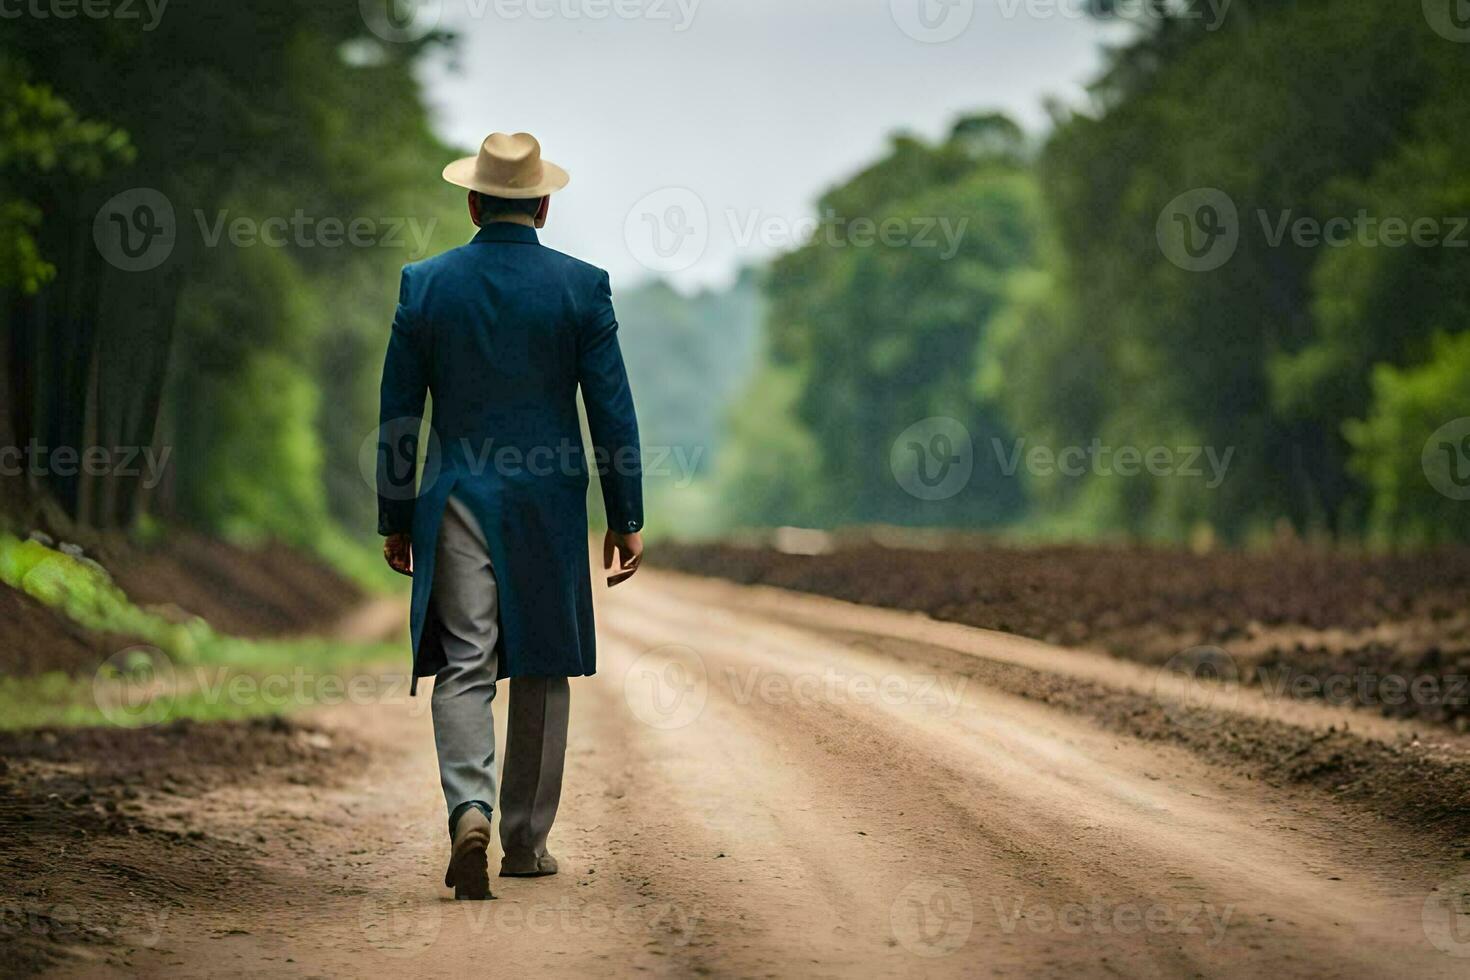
(510, 219)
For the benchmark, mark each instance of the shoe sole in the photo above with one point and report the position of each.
(509, 867)
(469, 867)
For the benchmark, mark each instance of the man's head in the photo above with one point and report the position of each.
(508, 180)
(485, 208)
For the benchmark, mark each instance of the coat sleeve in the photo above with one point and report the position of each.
(610, 414)
(400, 419)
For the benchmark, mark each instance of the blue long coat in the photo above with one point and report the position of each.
(502, 332)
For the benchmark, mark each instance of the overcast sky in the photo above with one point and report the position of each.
(736, 114)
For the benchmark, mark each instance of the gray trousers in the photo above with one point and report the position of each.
(465, 599)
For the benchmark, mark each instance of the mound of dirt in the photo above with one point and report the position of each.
(37, 639)
(1309, 617)
(88, 843)
(272, 591)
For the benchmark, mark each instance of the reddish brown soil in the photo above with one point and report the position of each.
(91, 853)
(271, 591)
(268, 591)
(36, 639)
(1294, 614)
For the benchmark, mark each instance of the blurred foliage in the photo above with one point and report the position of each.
(688, 358)
(41, 135)
(256, 364)
(1025, 294)
(1061, 322)
(84, 591)
(1309, 110)
(1400, 442)
(870, 333)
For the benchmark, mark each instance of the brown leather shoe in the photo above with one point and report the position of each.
(469, 871)
(527, 866)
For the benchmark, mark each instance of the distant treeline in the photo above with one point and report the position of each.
(1251, 240)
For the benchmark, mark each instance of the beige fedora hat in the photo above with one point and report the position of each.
(509, 167)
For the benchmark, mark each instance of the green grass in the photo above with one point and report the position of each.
(176, 670)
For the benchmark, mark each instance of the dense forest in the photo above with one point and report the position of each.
(254, 366)
(1323, 350)
(1065, 303)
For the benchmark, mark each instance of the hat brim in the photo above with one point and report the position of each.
(461, 173)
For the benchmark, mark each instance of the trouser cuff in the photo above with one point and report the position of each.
(459, 811)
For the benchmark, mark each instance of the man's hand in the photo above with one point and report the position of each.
(398, 549)
(628, 549)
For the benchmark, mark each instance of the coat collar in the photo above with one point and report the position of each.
(506, 231)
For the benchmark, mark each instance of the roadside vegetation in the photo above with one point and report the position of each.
(168, 669)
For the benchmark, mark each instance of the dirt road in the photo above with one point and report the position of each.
(766, 784)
